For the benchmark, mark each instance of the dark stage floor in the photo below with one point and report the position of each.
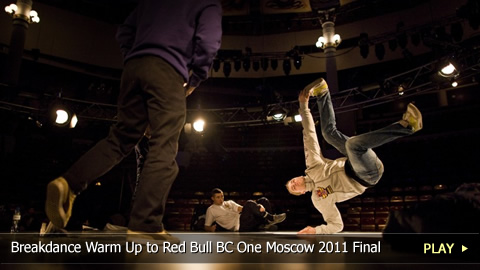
(216, 251)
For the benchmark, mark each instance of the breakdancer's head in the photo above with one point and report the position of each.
(296, 186)
(217, 196)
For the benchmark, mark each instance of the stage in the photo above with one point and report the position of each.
(279, 250)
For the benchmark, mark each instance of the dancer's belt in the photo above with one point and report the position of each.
(351, 173)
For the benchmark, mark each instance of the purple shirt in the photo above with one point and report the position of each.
(185, 33)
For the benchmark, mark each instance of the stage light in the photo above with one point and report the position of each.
(392, 44)
(278, 113)
(449, 70)
(364, 45)
(380, 51)
(237, 64)
(297, 61)
(60, 115)
(274, 64)
(454, 84)
(199, 125)
(216, 65)
(256, 65)
(74, 121)
(298, 118)
(264, 63)
(246, 64)
(416, 38)
(227, 69)
(402, 40)
(287, 67)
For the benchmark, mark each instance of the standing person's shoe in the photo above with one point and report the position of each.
(144, 237)
(414, 117)
(277, 219)
(318, 88)
(59, 202)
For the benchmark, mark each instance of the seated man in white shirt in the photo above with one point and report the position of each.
(231, 216)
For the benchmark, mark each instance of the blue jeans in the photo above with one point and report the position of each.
(358, 149)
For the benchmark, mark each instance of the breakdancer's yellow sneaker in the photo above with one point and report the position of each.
(59, 202)
(317, 88)
(414, 117)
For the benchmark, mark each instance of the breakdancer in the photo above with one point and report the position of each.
(332, 181)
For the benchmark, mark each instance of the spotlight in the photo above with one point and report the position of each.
(61, 116)
(287, 67)
(256, 65)
(278, 113)
(392, 44)
(237, 64)
(199, 125)
(402, 40)
(274, 63)
(227, 68)
(454, 84)
(216, 65)
(298, 118)
(363, 44)
(264, 63)
(246, 64)
(74, 121)
(447, 71)
(416, 38)
(297, 61)
(380, 51)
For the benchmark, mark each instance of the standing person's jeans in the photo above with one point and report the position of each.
(151, 92)
(358, 149)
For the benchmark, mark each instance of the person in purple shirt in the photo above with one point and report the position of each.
(168, 48)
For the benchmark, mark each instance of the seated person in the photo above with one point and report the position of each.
(252, 216)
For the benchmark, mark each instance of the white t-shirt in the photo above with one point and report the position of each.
(225, 215)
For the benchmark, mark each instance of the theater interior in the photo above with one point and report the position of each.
(389, 53)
